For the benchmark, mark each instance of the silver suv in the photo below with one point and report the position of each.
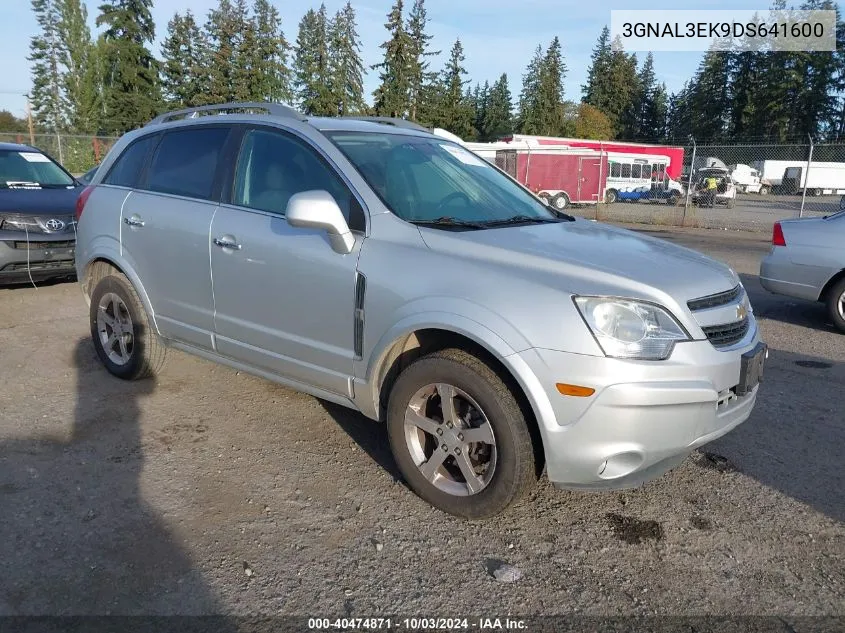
(374, 264)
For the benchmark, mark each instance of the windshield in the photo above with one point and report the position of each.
(424, 179)
(30, 170)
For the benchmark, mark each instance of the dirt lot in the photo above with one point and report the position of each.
(210, 491)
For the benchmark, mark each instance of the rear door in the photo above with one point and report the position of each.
(589, 181)
(164, 229)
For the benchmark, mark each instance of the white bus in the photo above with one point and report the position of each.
(639, 177)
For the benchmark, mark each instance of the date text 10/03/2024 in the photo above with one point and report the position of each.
(416, 624)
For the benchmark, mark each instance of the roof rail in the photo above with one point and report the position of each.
(387, 120)
(275, 109)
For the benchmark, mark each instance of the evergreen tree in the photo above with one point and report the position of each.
(224, 28)
(550, 91)
(456, 112)
(710, 98)
(480, 102)
(393, 94)
(498, 115)
(643, 102)
(81, 86)
(345, 66)
(418, 68)
(656, 115)
(47, 95)
(131, 72)
(272, 76)
(184, 75)
(311, 69)
(598, 91)
(244, 70)
(680, 117)
(530, 120)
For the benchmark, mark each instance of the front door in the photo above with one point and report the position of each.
(164, 231)
(283, 299)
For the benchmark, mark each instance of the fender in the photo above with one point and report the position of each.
(367, 389)
(108, 249)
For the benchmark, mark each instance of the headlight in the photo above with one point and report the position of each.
(631, 329)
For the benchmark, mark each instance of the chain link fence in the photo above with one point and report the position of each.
(765, 183)
(77, 152)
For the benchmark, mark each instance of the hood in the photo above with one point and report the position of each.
(39, 201)
(594, 258)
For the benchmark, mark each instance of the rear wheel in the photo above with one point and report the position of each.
(673, 199)
(836, 305)
(560, 202)
(730, 203)
(611, 196)
(459, 436)
(123, 338)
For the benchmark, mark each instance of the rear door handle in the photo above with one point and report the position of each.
(134, 221)
(226, 242)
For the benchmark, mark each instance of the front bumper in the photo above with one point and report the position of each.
(644, 417)
(43, 257)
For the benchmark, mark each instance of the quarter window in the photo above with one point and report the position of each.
(185, 162)
(128, 166)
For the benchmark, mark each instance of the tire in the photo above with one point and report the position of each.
(836, 305)
(142, 353)
(730, 203)
(764, 191)
(560, 202)
(446, 488)
(816, 192)
(611, 196)
(673, 200)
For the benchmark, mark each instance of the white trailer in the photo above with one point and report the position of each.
(772, 170)
(819, 179)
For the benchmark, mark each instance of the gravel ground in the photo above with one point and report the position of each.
(752, 212)
(209, 491)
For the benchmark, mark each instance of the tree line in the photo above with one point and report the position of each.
(239, 52)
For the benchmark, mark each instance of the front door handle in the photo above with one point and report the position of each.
(134, 221)
(227, 242)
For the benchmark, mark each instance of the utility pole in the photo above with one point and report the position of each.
(29, 120)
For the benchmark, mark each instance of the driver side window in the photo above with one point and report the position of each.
(274, 166)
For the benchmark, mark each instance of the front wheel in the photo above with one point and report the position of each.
(123, 338)
(458, 435)
(611, 196)
(764, 191)
(836, 305)
(673, 200)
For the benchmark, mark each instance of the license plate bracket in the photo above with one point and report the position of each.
(751, 369)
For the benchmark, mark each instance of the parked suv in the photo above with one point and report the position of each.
(37, 225)
(394, 272)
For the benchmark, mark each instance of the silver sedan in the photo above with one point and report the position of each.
(807, 261)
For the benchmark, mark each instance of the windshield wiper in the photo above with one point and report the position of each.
(447, 221)
(521, 219)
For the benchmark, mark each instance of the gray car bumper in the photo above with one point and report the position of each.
(42, 257)
(643, 419)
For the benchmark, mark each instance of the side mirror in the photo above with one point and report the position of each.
(318, 210)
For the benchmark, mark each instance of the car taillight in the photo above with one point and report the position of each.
(81, 200)
(777, 235)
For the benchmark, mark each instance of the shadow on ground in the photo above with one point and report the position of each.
(73, 511)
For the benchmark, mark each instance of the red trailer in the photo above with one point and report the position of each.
(563, 176)
(675, 155)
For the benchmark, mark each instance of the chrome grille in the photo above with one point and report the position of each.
(37, 223)
(727, 334)
(715, 301)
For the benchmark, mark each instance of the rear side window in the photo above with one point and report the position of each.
(128, 166)
(185, 162)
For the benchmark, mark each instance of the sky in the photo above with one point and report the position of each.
(498, 36)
